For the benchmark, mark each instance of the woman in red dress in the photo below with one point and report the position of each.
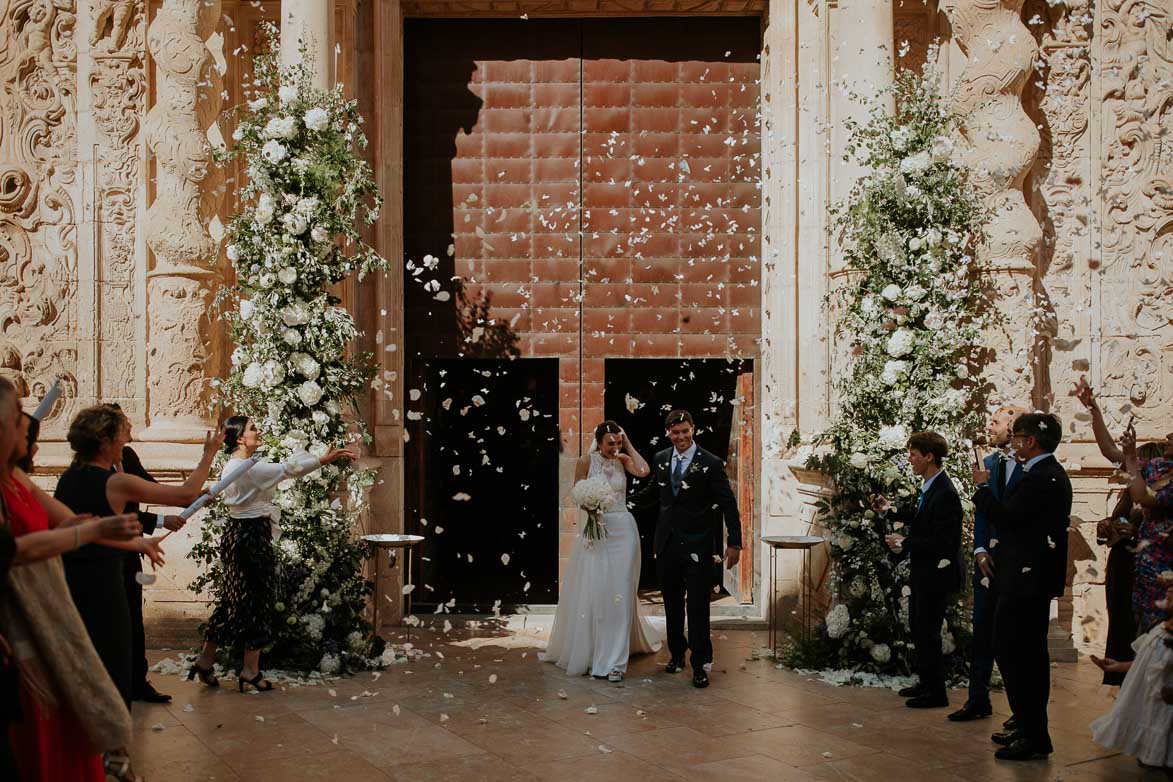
(49, 744)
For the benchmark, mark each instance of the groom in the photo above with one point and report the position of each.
(694, 496)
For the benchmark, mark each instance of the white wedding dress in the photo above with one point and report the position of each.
(598, 624)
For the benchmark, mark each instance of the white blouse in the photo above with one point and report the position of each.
(251, 496)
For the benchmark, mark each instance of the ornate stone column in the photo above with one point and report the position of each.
(1000, 143)
(309, 23)
(182, 349)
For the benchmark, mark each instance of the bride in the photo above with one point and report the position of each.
(598, 624)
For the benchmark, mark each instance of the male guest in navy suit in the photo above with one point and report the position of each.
(1030, 569)
(1004, 476)
(933, 546)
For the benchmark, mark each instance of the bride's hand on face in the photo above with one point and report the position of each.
(625, 460)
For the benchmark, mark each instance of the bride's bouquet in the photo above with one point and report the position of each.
(594, 495)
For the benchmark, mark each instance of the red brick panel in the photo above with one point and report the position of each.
(671, 198)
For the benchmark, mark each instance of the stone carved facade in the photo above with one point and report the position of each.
(39, 196)
(182, 345)
(1000, 143)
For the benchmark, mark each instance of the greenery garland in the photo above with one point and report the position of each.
(294, 370)
(913, 310)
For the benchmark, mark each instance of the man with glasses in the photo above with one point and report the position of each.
(1031, 568)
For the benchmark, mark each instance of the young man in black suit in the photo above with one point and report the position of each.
(1030, 566)
(692, 492)
(933, 546)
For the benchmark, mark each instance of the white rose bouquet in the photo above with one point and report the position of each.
(593, 495)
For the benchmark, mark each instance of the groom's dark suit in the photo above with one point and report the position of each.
(683, 544)
(1030, 569)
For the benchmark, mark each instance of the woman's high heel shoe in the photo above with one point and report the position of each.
(117, 766)
(207, 675)
(259, 682)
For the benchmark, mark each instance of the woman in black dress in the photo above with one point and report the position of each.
(94, 572)
(1118, 533)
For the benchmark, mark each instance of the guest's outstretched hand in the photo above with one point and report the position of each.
(151, 549)
(213, 440)
(1084, 393)
(1110, 665)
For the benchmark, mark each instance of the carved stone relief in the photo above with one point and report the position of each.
(38, 231)
(181, 344)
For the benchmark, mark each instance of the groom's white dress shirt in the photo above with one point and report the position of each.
(684, 459)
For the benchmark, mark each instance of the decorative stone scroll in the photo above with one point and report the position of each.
(182, 342)
(38, 193)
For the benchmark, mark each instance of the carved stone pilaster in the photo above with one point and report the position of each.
(38, 196)
(1000, 143)
(181, 343)
(118, 87)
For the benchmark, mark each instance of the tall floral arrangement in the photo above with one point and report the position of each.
(911, 313)
(294, 369)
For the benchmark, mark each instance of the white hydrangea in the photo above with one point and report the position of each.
(900, 137)
(258, 104)
(233, 252)
(314, 625)
(934, 320)
(941, 147)
(319, 234)
(280, 127)
(287, 93)
(356, 642)
(272, 373)
(295, 223)
(246, 309)
(881, 653)
(287, 275)
(330, 664)
(916, 163)
(891, 292)
(838, 621)
(893, 371)
(915, 292)
(893, 437)
(252, 376)
(291, 337)
(274, 151)
(859, 460)
(296, 314)
(317, 119)
(900, 343)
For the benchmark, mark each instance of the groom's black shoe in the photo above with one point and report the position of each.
(1006, 738)
(970, 712)
(938, 701)
(700, 679)
(674, 666)
(915, 691)
(1025, 749)
(1010, 724)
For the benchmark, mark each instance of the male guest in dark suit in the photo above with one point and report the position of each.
(933, 546)
(693, 495)
(1030, 565)
(132, 565)
(1005, 473)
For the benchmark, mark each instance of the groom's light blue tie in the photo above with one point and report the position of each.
(677, 476)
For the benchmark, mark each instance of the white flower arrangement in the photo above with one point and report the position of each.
(299, 232)
(595, 496)
(914, 312)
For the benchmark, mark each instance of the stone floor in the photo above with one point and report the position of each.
(494, 712)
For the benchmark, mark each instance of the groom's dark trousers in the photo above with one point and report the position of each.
(686, 524)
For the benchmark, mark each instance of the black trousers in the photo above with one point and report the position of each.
(131, 567)
(686, 580)
(1020, 648)
(984, 601)
(926, 612)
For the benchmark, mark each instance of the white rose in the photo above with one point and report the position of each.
(934, 320)
(915, 243)
(263, 214)
(310, 393)
(859, 460)
(319, 234)
(305, 365)
(258, 104)
(321, 418)
(868, 305)
(281, 127)
(915, 292)
(252, 376)
(296, 314)
(273, 151)
(287, 276)
(316, 119)
(891, 292)
(933, 236)
(265, 280)
(881, 653)
(294, 223)
(292, 337)
(246, 309)
(332, 408)
(287, 94)
(893, 438)
(272, 374)
(233, 252)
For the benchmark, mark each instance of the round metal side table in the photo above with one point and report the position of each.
(389, 543)
(803, 543)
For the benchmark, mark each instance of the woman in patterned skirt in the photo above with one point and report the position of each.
(1152, 489)
(243, 616)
